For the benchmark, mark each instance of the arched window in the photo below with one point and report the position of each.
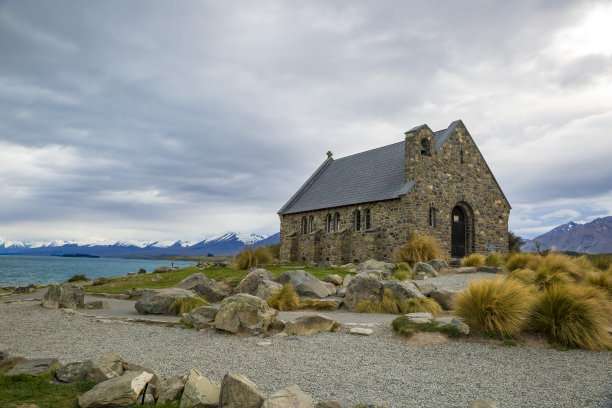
(304, 225)
(337, 222)
(425, 147)
(368, 224)
(432, 215)
(328, 223)
(357, 220)
(312, 224)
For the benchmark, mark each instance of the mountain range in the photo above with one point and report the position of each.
(594, 237)
(227, 243)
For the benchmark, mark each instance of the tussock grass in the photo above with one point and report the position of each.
(573, 316)
(389, 304)
(496, 306)
(77, 278)
(473, 260)
(424, 305)
(600, 279)
(526, 276)
(576, 268)
(401, 274)
(403, 266)
(518, 261)
(401, 325)
(602, 262)
(420, 248)
(317, 304)
(494, 259)
(545, 278)
(184, 304)
(286, 299)
(249, 257)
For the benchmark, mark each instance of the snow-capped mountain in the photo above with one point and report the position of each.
(593, 237)
(226, 243)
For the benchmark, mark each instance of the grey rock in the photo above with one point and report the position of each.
(244, 313)
(363, 287)
(259, 282)
(421, 276)
(304, 284)
(309, 324)
(424, 267)
(172, 390)
(116, 392)
(237, 391)
(341, 291)
(36, 366)
(73, 372)
(438, 264)
(292, 396)
(142, 271)
(420, 317)
(482, 403)
(466, 269)
(453, 321)
(164, 269)
(98, 304)
(489, 269)
(362, 331)
(201, 284)
(402, 290)
(201, 317)
(331, 288)
(426, 287)
(200, 391)
(109, 366)
(63, 296)
(334, 302)
(386, 268)
(331, 404)
(156, 384)
(444, 297)
(21, 290)
(347, 279)
(335, 279)
(158, 301)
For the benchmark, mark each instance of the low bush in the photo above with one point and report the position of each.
(184, 304)
(494, 259)
(572, 316)
(420, 248)
(78, 278)
(249, 257)
(286, 299)
(403, 326)
(518, 261)
(473, 260)
(101, 281)
(424, 305)
(496, 306)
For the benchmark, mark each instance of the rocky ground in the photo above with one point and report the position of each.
(381, 368)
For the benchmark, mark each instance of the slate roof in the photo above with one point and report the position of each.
(373, 175)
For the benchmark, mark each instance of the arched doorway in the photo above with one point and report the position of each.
(458, 232)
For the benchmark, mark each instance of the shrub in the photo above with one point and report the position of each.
(514, 242)
(286, 299)
(101, 281)
(494, 259)
(248, 258)
(425, 305)
(78, 278)
(473, 260)
(496, 306)
(402, 274)
(184, 304)
(571, 316)
(419, 249)
(518, 261)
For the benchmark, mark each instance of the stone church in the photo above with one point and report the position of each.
(364, 206)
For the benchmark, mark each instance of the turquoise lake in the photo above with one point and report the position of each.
(23, 270)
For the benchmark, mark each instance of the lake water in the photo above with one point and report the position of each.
(23, 270)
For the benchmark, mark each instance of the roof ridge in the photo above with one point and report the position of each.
(368, 151)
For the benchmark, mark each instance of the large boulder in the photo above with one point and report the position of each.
(347, 279)
(453, 321)
(117, 392)
(109, 366)
(309, 324)
(259, 282)
(158, 301)
(36, 366)
(172, 390)
(157, 383)
(402, 290)
(63, 296)
(424, 267)
(201, 317)
(237, 391)
(245, 313)
(386, 268)
(200, 391)
(363, 287)
(291, 396)
(335, 279)
(73, 372)
(425, 287)
(164, 269)
(201, 284)
(444, 298)
(438, 264)
(304, 283)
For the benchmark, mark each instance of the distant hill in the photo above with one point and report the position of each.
(227, 243)
(594, 237)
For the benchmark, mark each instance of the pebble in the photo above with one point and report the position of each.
(361, 331)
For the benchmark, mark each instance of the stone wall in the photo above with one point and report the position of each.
(454, 175)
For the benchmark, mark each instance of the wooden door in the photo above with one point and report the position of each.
(458, 233)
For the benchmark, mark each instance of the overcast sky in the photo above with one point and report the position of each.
(172, 120)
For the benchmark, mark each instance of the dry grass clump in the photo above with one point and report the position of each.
(576, 268)
(317, 304)
(526, 276)
(473, 260)
(545, 277)
(518, 261)
(286, 299)
(602, 262)
(185, 304)
(389, 304)
(496, 306)
(401, 274)
(602, 280)
(573, 316)
(248, 257)
(420, 248)
(423, 305)
(494, 259)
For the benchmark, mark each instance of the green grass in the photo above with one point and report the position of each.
(19, 389)
(401, 325)
(402, 274)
